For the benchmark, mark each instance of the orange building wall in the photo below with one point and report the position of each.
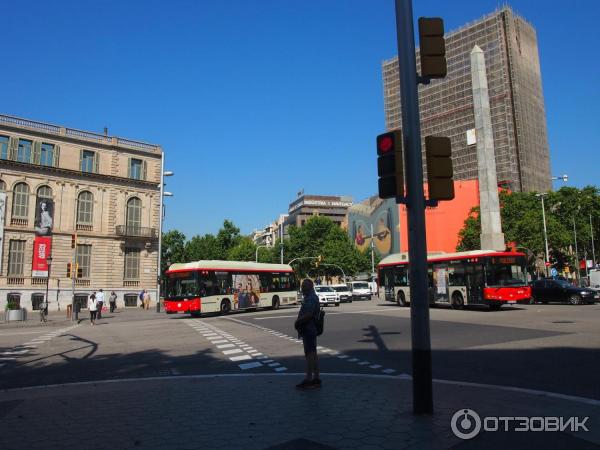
(444, 221)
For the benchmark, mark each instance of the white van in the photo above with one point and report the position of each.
(360, 290)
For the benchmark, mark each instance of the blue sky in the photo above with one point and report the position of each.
(254, 100)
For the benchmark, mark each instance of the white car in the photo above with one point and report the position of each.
(343, 292)
(327, 296)
(360, 290)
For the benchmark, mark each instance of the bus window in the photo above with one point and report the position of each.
(401, 276)
(265, 282)
(456, 275)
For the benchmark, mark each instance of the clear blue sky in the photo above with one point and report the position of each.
(254, 100)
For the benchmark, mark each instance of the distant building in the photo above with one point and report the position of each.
(56, 182)
(516, 100)
(306, 206)
(270, 233)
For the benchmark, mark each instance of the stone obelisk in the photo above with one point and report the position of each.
(492, 237)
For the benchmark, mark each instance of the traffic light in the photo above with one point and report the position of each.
(319, 260)
(432, 47)
(68, 270)
(439, 168)
(390, 164)
(73, 240)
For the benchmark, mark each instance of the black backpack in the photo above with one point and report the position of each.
(320, 321)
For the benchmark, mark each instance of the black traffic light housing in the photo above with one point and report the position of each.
(73, 240)
(68, 270)
(79, 271)
(390, 164)
(439, 168)
(432, 47)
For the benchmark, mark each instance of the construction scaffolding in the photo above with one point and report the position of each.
(516, 101)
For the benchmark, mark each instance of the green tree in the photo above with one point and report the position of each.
(228, 236)
(173, 249)
(244, 250)
(203, 247)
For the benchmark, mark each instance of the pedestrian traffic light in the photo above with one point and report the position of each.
(390, 164)
(432, 47)
(68, 270)
(439, 168)
(73, 240)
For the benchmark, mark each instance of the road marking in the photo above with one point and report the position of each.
(263, 357)
(280, 369)
(232, 352)
(15, 352)
(220, 341)
(343, 356)
(266, 361)
(375, 366)
(241, 358)
(251, 365)
(275, 364)
(353, 360)
(364, 363)
(370, 311)
(388, 371)
(225, 346)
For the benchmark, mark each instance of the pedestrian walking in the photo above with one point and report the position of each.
(146, 299)
(92, 308)
(43, 310)
(100, 302)
(307, 329)
(112, 300)
(141, 297)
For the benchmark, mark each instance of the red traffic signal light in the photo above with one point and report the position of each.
(390, 164)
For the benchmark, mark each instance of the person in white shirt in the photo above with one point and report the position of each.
(99, 303)
(93, 308)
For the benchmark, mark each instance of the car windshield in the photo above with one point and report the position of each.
(563, 283)
(324, 289)
(340, 288)
(361, 286)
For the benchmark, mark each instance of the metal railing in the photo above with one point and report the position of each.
(133, 231)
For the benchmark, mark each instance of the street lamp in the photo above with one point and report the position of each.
(541, 195)
(49, 262)
(564, 177)
(163, 194)
(257, 247)
(335, 265)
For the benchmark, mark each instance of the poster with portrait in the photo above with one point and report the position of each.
(246, 293)
(44, 216)
(42, 248)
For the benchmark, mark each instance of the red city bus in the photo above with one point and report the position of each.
(225, 286)
(479, 277)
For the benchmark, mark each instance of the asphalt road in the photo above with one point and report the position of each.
(544, 347)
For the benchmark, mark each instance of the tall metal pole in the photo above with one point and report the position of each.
(576, 252)
(160, 221)
(74, 314)
(593, 249)
(545, 234)
(417, 240)
(372, 252)
(281, 242)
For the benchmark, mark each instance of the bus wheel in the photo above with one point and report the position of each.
(275, 303)
(225, 307)
(401, 300)
(457, 300)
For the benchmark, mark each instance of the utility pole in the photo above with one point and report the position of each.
(415, 205)
(576, 252)
(372, 252)
(593, 249)
(281, 241)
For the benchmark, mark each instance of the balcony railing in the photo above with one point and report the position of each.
(18, 222)
(133, 231)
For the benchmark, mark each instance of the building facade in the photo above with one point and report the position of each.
(267, 236)
(516, 101)
(306, 206)
(78, 202)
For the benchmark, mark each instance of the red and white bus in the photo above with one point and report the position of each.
(479, 277)
(225, 286)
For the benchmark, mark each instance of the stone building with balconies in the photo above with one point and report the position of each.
(103, 197)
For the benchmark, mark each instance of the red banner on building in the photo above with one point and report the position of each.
(42, 247)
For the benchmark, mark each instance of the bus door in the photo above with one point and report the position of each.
(388, 283)
(474, 282)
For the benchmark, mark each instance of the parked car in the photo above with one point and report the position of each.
(550, 290)
(327, 296)
(360, 290)
(343, 292)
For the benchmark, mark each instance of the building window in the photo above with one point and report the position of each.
(137, 169)
(24, 150)
(89, 161)
(84, 256)
(2, 186)
(44, 192)
(132, 264)
(134, 215)
(3, 147)
(20, 206)
(47, 155)
(131, 299)
(85, 208)
(81, 301)
(14, 299)
(36, 301)
(16, 258)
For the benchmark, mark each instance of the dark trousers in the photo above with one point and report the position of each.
(100, 304)
(113, 306)
(93, 315)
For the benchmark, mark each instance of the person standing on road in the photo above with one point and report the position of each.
(307, 329)
(146, 299)
(100, 303)
(112, 300)
(43, 310)
(93, 308)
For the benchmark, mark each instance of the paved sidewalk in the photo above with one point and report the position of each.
(267, 412)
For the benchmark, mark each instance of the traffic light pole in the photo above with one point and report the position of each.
(415, 199)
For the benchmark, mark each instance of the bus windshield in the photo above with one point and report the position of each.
(506, 271)
(182, 284)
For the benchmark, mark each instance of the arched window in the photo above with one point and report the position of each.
(134, 215)
(85, 208)
(44, 192)
(2, 186)
(20, 206)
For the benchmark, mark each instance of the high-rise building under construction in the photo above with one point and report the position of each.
(516, 101)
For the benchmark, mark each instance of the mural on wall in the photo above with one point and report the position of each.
(380, 214)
